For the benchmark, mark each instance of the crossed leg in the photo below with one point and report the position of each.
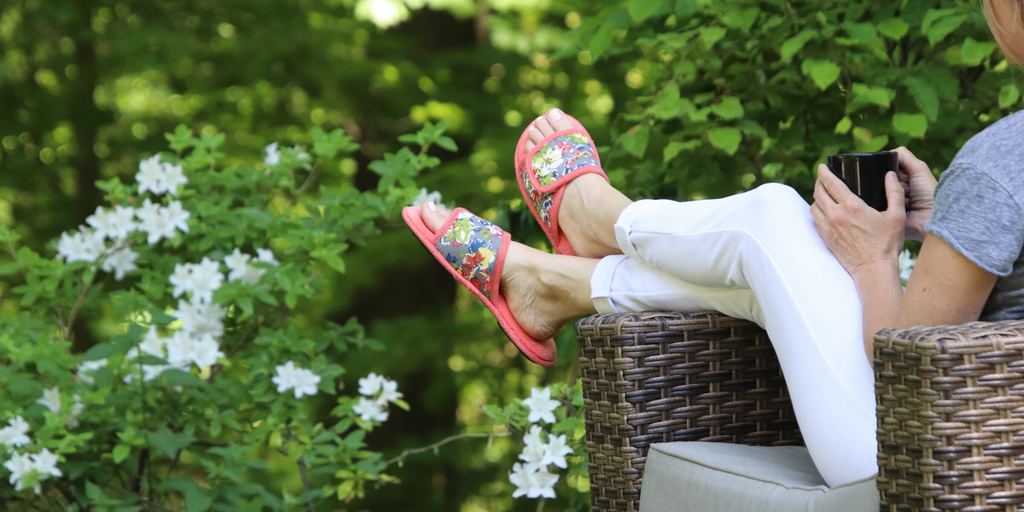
(754, 255)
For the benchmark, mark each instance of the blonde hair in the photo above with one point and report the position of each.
(1007, 27)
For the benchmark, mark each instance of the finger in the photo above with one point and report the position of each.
(821, 223)
(910, 163)
(821, 196)
(894, 194)
(833, 185)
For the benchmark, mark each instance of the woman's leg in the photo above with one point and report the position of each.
(757, 256)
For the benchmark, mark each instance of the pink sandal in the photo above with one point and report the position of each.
(544, 171)
(473, 251)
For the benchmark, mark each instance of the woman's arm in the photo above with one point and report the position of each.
(945, 287)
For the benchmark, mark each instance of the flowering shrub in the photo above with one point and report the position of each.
(565, 447)
(188, 281)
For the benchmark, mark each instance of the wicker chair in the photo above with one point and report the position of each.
(950, 404)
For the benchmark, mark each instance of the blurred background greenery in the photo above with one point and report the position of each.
(686, 99)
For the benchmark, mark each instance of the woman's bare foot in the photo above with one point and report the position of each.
(590, 205)
(543, 290)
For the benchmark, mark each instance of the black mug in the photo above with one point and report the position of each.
(865, 174)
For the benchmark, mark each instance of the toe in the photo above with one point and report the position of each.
(544, 126)
(433, 216)
(558, 120)
(534, 134)
(529, 145)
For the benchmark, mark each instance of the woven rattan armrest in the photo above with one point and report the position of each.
(950, 406)
(658, 377)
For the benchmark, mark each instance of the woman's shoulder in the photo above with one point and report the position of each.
(998, 151)
(1005, 134)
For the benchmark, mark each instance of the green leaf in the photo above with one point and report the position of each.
(99, 351)
(914, 125)
(635, 142)
(711, 35)
(675, 147)
(862, 32)
(974, 51)
(601, 39)
(844, 125)
(925, 96)
(795, 44)
(742, 19)
(945, 26)
(168, 442)
(121, 452)
(865, 95)
(726, 139)
(729, 108)
(669, 105)
(932, 15)
(1008, 95)
(640, 10)
(197, 499)
(181, 139)
(893, 28)
(823, 72)
(771, 170)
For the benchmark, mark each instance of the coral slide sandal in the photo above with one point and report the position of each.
(544, 170)
(473, 250)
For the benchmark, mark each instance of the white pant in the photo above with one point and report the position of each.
(757, 256)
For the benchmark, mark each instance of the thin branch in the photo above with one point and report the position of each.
(540, 505)
(78, 304)
(305, 484)
(401, 458)
(309, 181)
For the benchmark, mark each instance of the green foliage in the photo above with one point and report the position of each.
(733, 89)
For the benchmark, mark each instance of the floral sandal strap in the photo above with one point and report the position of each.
(474, 248)
(564, 153)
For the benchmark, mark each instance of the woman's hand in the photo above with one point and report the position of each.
(919, 183)
(860, 236)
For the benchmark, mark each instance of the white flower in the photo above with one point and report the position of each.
(150, 175)
(556, 451)
(266, 256)
(51, 399)
(89, 366)
(76, 408)
(299, 153)
(200, 318)
(14, 434)
(184, 349)
(532, 482)
(43, 463)
(424, 196)
(82, 246)
(172, 177)
(206, 351)
(19, 465)
(114, 224)
(907, 263)
(370, 410)
(120, 262)
(383, 13)
(389, 391)
(273, 155)
(152, 343)
(176, 216)
(238, 262)
(200, 279)
(46, 463)
(541, 405)
(303, 381)
(371, 384)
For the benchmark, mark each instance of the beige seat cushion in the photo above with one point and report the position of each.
(718, 477)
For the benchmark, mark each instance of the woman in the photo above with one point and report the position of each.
(821, 279)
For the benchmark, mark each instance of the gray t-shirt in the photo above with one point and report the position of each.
(979, 211)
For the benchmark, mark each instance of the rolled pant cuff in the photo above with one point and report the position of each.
(623, 226)
(601, 283)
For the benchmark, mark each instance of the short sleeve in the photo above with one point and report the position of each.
(979, 218)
